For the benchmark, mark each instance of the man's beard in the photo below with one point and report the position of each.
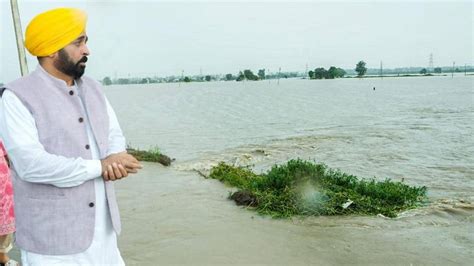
(65, 64)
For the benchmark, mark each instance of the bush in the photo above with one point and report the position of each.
(306, 188)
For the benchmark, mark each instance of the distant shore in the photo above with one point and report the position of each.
(133, 81)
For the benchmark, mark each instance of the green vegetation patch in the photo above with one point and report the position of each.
(151, 155)
(306, 188)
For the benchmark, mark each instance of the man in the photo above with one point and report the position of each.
(66, 147)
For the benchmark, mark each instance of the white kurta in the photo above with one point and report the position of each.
(19, 133)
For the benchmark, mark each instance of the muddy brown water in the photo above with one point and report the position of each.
(416, 129)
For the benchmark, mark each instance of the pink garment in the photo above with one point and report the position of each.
(7, 215)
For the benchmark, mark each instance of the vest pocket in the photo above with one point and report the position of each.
(46, 192)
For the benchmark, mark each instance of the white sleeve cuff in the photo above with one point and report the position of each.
(94, 168)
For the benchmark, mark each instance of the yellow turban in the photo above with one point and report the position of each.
(53, 30)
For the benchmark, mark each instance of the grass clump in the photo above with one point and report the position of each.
(151, 155)
(306, 188)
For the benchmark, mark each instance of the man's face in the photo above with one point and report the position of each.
(71, 60)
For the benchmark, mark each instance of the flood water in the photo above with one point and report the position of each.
(419, 129)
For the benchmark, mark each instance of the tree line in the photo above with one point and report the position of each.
(336, 72)
(322, 73)
(246, 74)
(333, 72)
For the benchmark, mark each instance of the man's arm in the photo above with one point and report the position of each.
(116, 138)
(28, 156)
(118, 163)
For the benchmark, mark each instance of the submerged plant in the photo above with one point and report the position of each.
(306, 188)
(151, 155)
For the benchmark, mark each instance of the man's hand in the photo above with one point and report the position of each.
(119, 165)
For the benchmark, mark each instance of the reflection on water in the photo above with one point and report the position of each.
(418, 129)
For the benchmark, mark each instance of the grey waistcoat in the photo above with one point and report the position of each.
(52, 220)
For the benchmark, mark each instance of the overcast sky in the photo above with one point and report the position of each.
(140, 38)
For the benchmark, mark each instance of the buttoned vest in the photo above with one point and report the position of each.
(52, 220)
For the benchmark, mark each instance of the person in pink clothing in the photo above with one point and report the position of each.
(7, 216)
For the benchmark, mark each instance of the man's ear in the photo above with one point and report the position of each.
(53, 55)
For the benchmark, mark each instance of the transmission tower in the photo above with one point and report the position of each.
(431, 64)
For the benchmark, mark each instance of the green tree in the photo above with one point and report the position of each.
(311, 74)
(437, 70)
(248, 74)
(361, 69)
(123, 81)
(340, 72)
(107, 81)
(320, 73)
(240, 77)
(229, 77)
(332, 73)
(208, 78)
(261, 73)
(423, 71)
(187, 79)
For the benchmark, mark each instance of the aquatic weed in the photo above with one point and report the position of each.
(305, 188)
(152, 155)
